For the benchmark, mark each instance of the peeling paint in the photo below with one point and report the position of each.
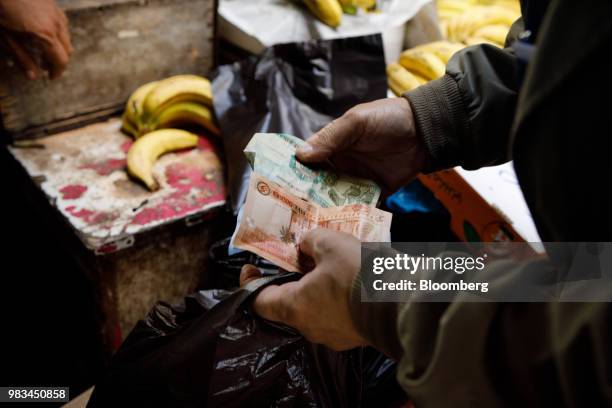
(105, 167)
(106, 205)
(73, 191)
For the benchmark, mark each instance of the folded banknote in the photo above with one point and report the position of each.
(272, 155)
(274, 221)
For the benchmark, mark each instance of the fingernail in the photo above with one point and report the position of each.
(305, 149)
(31, 74)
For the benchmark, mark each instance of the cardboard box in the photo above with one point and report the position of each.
(486, 205)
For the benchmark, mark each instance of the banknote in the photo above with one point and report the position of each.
(272, 155)
(274, 222)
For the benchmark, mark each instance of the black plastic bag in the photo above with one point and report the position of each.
(294, 88)
(211, 351)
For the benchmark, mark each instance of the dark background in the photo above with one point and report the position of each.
(48, 327)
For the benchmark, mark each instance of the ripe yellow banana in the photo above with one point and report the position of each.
(420, 78)
(179, 88)
(184, 113)
(400, 79)
(465, 25)
(328, 11)
(452, 7)
(128, 127)
(144, 152)
(444, 28)
(133, 107)
(351, 6)
(483, 16)
(480, 40)
(494, 32)
(442, 49)
(426, 64)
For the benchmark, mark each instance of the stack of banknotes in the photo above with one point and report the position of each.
(286, 199)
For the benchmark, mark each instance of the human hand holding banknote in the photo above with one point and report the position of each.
(317, 304)
(311, 221)
(376, 140)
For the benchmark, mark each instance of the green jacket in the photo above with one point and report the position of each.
(556, 129)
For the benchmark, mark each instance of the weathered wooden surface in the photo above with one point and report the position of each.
(167, 267)
(83, 174)
(119, 44)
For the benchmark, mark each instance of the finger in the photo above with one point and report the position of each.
(275, 302)
(334, 137)
(64, 35)
(23, 57)
(248, 273)
(55, 56)
(315, 244)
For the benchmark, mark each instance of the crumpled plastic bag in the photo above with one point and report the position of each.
(211, 351)
(294, 88)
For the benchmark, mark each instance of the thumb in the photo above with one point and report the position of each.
(248, 273)
(334, 137)
(275, 303)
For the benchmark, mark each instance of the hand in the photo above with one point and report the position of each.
(43, 26)
(318, 304)
(375, 140)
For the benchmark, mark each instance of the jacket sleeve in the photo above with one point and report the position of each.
(493, 354)
(465, 117)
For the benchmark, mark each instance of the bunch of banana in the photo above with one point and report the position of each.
(401, 80)
(146, 150)
(463, 22)
(152, 113)
(420, 64)
(181, 100)
(330, 11)
(477, 21)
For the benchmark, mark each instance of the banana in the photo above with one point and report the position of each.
(133, 107)
(426, 64)
(400, 79)
(419, 78)
(442, 49)
(179, 88)
(144, 152)
(128, 127)
(443, 25)
(328, 11)
(494, 32)
(480, 40)
(483, 16)
(465, 25)
(351, 6)
(452, 7)
(184, 113)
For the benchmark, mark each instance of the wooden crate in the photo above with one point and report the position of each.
(136, 246)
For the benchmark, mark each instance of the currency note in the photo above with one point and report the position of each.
(274, 222)
(272, 155)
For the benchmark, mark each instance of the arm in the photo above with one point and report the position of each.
(472, 353)
(465, 117)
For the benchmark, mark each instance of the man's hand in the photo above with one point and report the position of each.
(36, 25)
(318, 304)
(375, 140)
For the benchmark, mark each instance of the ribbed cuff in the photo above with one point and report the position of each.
(441, 121)
(375, 321)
